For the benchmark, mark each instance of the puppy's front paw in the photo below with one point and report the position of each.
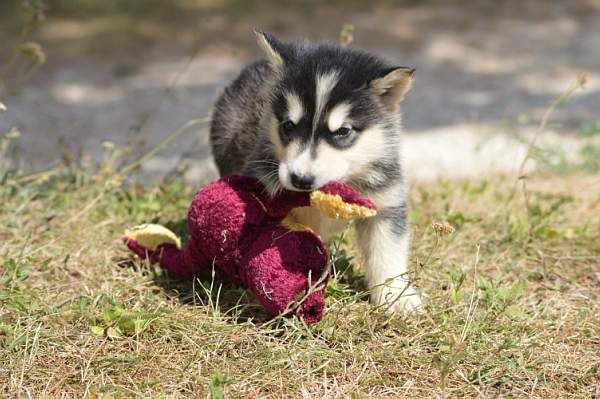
(407, 303)
(398, 300)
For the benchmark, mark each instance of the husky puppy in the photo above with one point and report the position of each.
(309, 114)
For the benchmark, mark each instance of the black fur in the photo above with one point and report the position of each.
(356, 69)
(240, 143)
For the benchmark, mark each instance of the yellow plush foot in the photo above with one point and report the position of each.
(151, 236)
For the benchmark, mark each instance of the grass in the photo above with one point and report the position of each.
(512, 300)
(511, 295)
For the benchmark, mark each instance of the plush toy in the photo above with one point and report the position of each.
(235, 225)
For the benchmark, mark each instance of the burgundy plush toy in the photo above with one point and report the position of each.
(236, 226)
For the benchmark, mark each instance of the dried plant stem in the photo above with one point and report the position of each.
(565, 96)
(312, 288)
(165, 143)
(544, 121)
(108, 186)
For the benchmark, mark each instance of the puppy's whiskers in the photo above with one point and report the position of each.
(265, 162)
(270, 181)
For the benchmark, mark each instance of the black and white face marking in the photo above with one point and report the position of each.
(329, 123)
(325, 136)
(340, 125)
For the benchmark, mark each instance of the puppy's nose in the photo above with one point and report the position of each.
(302, 182)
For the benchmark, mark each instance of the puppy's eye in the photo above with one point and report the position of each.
(343, 131)
(287, 127)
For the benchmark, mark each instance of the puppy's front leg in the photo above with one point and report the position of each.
(384, 245)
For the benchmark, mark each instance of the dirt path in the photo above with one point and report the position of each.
(485, 73)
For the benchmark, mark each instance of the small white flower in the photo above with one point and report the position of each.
(2, 107)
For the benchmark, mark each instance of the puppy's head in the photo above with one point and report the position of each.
(335, 111)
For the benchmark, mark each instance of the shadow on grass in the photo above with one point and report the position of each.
(214, 296)
(211, 294)
(206, 290)
(347, 279)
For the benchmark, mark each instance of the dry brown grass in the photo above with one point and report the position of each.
(512, 302)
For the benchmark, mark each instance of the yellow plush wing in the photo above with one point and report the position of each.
(334, 206)
(152, 235)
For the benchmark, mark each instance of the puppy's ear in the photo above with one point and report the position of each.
(392, 86)
(277, 52)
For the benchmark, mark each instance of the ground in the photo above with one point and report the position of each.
(511, 297)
